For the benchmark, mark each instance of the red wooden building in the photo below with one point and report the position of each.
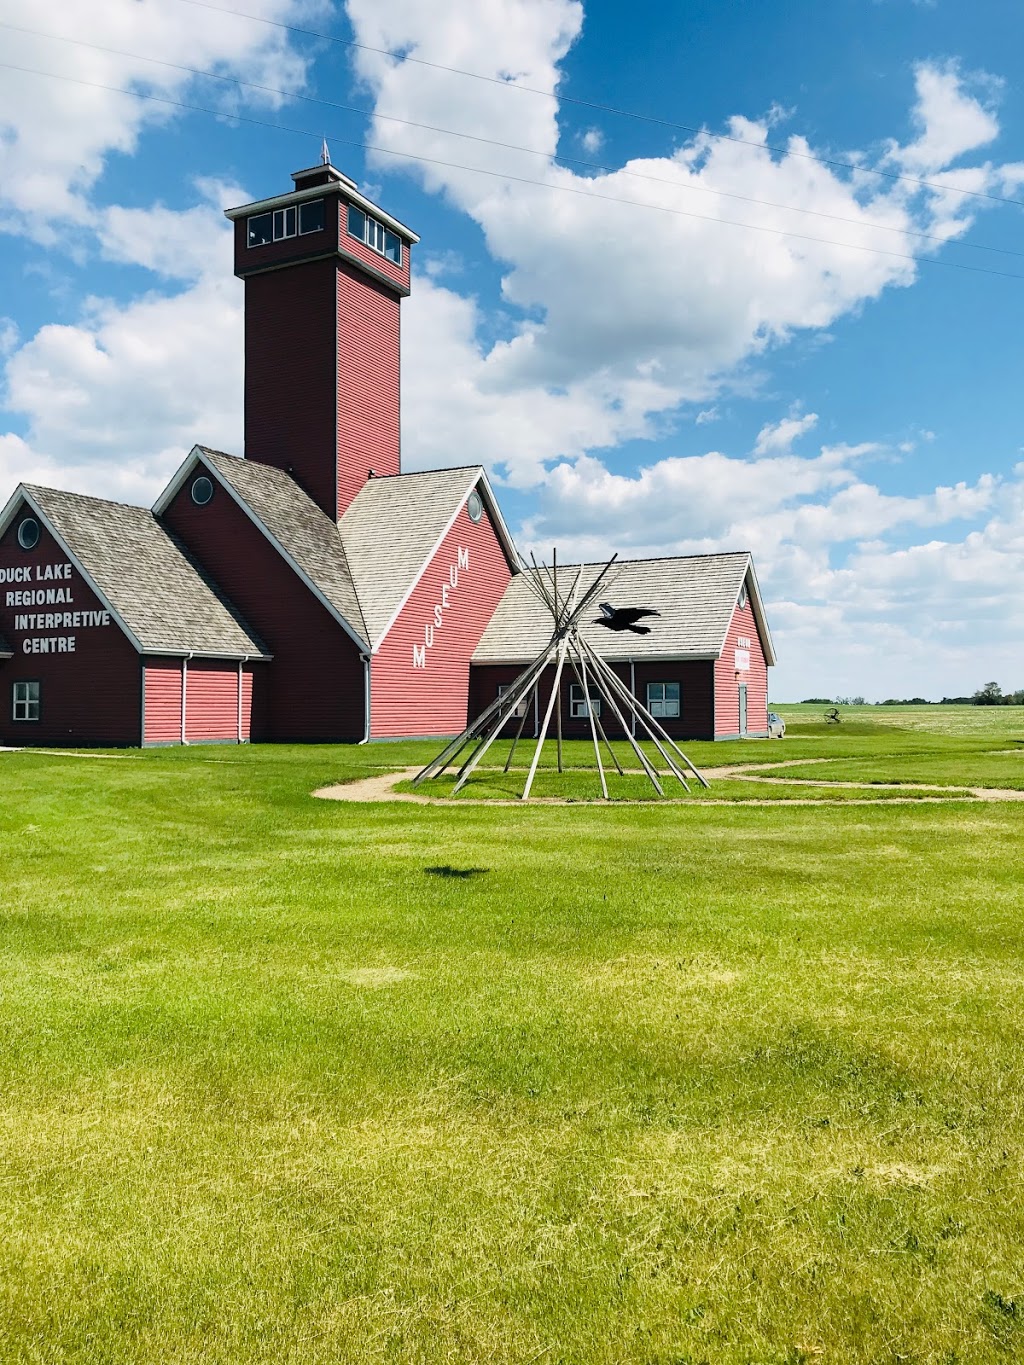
(312, 591)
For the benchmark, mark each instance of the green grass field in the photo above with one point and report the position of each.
(288, 1080)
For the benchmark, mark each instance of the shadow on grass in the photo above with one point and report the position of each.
(456, 871)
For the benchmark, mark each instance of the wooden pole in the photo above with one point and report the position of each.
(558, 703)
(645, 762)
(547, 721)
(639, 711)
(590, 712)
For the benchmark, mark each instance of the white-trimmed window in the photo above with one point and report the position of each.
(578, 708)
(281, 224)
(25, 701)
(375, 235)
(741, 601)
(517, 711)
(663, 699)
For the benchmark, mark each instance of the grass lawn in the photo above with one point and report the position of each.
(286, 1080)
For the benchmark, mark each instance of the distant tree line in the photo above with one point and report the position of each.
(989, 695)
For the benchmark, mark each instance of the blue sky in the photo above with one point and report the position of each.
(647, 377)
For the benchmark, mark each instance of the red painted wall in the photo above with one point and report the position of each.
(434, 699)
(291, 367)
(727, 684)
(398, 273)
(313, 689)
(369, 367)
(163, 701)
(211, 701)
(89, 696)
(249, 259)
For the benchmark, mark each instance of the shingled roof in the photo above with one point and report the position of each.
(391, 529)
(695, 594)
(292, 520)
(154, 588)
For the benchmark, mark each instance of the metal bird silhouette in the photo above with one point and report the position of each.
(624, 618)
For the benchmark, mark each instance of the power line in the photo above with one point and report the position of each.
(513, 179)
(515, 147)
(562, 98)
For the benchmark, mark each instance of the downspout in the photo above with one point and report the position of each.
(184, 692)
(243, 660)
(366, 698)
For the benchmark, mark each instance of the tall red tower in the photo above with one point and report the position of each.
(325, 270)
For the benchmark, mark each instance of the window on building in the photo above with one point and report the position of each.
(742, 599)
(663, 699)
(516, 711)
(26, 701)
(287, 222)
(28, 533)
(202, 491)
(261, 229)
(374, 234)
(311, 217)
(578, 709)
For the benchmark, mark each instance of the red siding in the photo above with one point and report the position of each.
(291, 362)
(434, 699)
(249, 259)
(728, 679)
(368, 400)
(313, 689)
(696, 691)
(373, 259)
(163, 701)
(211, 701)
(89, 696)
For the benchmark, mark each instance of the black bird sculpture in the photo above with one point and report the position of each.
(624, 618)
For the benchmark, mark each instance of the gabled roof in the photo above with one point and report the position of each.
(291, 520)
(152, 587)
(393, 527)
(695, 594)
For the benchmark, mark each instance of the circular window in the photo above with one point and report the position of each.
(743, 597)
(28, 534)
(202, 491)
(474, 506)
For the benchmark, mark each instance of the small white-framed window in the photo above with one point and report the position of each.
(741, 601)
(663, 699)
(285, 223)
(261, 229)
(578, 709)
(474, 506)
(375, 235)
(29, 533)
(517, 711)
(202, 491)
(25, 701)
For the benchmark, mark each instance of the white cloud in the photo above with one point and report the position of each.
(56, 135)
(781, 435)
(622, 304)
(112, 402)
(592, 141)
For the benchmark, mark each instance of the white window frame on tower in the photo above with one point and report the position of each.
(284, 223)
(373, 234)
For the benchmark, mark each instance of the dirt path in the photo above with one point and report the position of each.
(382, 788)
